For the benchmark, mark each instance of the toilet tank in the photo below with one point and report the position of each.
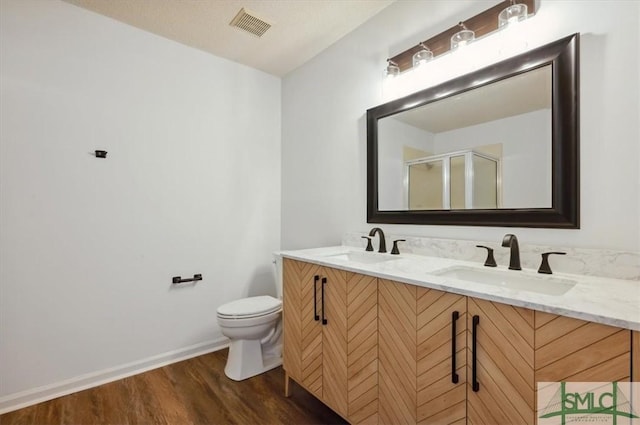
(277, 265)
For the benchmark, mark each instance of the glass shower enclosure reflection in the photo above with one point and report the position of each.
(456, 180)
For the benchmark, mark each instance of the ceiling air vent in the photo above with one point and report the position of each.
(250, 23)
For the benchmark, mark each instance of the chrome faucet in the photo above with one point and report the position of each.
(511, 241)
(383, 243)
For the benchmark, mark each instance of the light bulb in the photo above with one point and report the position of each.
(512, 14)
(392, 70)
(423, 56)
(462, 37)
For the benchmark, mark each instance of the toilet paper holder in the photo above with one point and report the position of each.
(179, 279)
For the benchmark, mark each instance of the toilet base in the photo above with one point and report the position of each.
(245, 359)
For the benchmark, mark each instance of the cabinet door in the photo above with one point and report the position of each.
(503, 366)
(330, 337)
(397, 352)
(441, 357)
(415, 339)
(291, 320)
(311, 362)
(362, 348)
(334, 339)
(302, 353)
(576, 350)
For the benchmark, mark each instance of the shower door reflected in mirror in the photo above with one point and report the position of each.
(459, 180)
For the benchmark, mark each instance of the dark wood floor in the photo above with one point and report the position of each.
(194, 391)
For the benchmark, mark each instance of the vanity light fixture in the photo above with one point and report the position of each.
(462, 37)
(474, 28)
(512, 14)
(392, 70)
(423, 55)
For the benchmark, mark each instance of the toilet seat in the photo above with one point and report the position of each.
(247, 308)
(247, 322)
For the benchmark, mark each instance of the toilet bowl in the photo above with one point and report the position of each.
(254, 328)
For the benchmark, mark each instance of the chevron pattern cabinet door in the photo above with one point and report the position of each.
(439, 400)
(505, 364)
(576, 350)
(362, 348)
(397, 352)
(292, 321)
(302, 353)
(334, 341)
(311, 362)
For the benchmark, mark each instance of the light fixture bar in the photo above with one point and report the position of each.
(481, 24)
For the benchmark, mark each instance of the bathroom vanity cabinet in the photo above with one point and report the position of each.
(393, 352)
(330, 336)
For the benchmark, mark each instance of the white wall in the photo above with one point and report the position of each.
(324, 135)
(88, 247)
(393, 136)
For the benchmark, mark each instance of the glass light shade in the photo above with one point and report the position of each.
(462, 38)
(392, 70)
(512, 14)
(423, 56)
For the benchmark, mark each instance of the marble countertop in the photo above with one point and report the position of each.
(609, 301)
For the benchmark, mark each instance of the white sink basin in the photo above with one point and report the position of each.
(510, 279)
(363, 257)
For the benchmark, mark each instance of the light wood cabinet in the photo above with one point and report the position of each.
(416, 351)
(362, 348)
(295, 273)
(504, 390)
(441, 357)
(502, 351)
(394, 353)
(577, 350)
(315, 340)
(397, 350)
(331, 337)
(427, 378)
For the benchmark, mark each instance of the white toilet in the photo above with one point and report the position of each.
(254, 328)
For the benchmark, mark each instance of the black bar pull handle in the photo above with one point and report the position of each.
(178, 279)
(315, 298)
(324, 319)
(454, 375)
(474, 359)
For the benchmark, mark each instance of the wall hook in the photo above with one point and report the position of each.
(101, 154)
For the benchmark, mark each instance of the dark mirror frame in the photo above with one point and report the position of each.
(563, 56)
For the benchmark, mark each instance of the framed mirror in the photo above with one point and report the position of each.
(501, 148)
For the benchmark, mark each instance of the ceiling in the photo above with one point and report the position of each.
(527, 92)
(300, 29)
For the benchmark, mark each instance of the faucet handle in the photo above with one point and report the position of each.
(369, 246)
(490, 261)
(544, 266)
(395, 250)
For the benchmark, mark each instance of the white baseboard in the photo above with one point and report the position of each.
(48, 392)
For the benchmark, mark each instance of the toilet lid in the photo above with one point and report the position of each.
(250, 307)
